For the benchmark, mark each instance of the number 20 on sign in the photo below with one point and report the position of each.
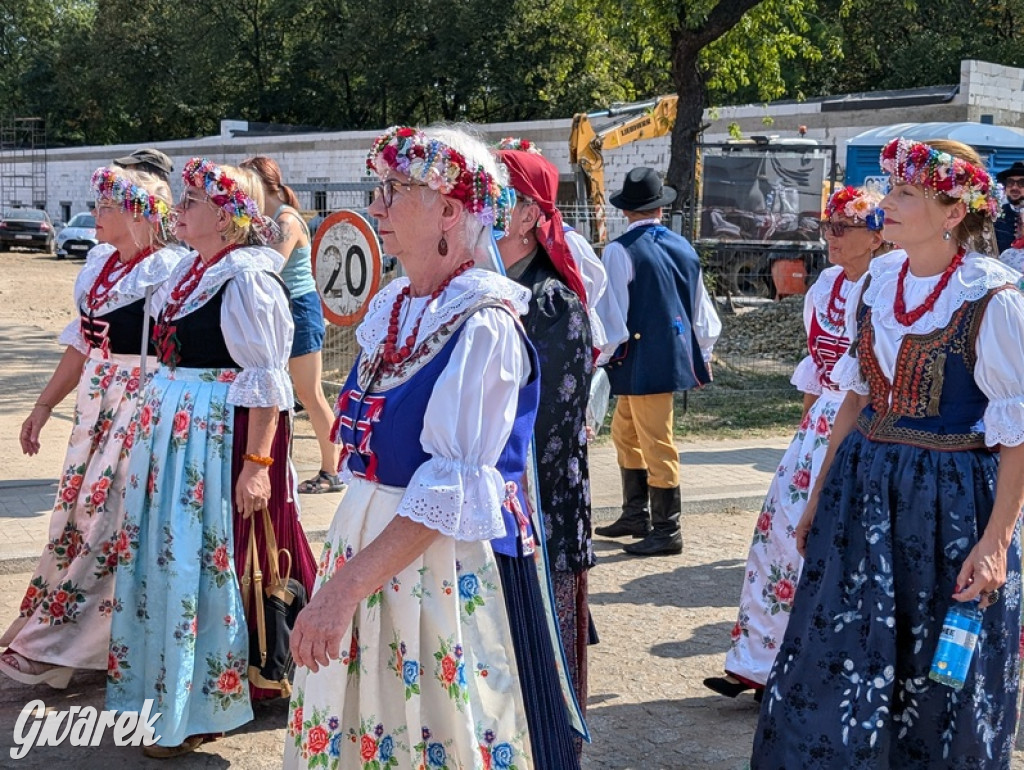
(346, 266)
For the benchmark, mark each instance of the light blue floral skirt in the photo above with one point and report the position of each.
(179, 635)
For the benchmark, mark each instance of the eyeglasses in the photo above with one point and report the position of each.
(186, 201)
(1014, 182)
(385, 191)
(838, 229)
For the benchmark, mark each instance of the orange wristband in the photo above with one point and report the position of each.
(266, 462)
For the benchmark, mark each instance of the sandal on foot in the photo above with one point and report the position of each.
(22, 669)
(187, 746)
(320, 483)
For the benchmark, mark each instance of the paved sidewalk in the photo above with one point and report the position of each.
(716, 475)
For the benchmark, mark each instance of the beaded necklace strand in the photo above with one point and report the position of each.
(899, 306)
(393, 354)
(113, 271)
(183, 288)
(836, 309)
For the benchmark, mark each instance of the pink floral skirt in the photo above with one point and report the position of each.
(64, 617)
(773, 564)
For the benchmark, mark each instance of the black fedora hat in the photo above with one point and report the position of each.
(642, 191)
(1017, 169)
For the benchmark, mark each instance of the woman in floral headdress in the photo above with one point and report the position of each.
(425, 644)
(913, 512)
(211, 449)
(64, 620)
(588, 264)
(853, 231)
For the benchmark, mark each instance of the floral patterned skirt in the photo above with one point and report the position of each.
(429, 679)
(850, 686)
(64, 618)
(179, 634)
(773, 564)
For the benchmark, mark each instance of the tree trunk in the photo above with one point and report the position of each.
(689, 83)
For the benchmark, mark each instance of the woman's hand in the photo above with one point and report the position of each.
(320, 628)
(803, 527)
(31, 427)
(252, 493)
(983, 571)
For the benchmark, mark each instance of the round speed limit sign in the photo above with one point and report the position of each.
(346, 266)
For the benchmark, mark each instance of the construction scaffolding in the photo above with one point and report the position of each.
(23, 162)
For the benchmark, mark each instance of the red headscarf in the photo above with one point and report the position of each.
(536, 177)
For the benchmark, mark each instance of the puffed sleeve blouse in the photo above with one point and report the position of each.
(256, 321)
(258, 329)
(999, 348)
(149, 275)
(470, 413)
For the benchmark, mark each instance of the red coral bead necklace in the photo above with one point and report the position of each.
(183, 289)
(899, 306)
(392, 353)
(836, 309)
(113, 271)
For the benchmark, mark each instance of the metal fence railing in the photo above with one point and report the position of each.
(762, 339)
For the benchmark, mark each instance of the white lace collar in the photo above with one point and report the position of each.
(461, 293)
(150, 273)
(971, 281)
(241, 260)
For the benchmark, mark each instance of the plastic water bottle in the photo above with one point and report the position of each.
(957, 641)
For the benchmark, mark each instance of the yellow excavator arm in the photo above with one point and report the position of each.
(644, 120)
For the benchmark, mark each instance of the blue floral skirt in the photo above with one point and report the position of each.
(850, 686)
(179, 635)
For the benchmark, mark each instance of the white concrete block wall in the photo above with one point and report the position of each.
(985, 88)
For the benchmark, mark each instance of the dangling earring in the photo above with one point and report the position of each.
(946, 235)
(526, 241)
(442, 246)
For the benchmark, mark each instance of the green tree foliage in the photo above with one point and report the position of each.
(129, 71)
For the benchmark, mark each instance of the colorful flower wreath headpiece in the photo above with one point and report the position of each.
(921, 164)
(107, 184)
(439, 167)
(515, 143)
(857, 204)
(225, 192)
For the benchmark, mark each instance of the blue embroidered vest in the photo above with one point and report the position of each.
(933, 401)
(662, 354)
(379, 430)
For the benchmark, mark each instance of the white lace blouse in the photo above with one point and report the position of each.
(151, 273)
(255, 318)
(999, 366)
(471, 410)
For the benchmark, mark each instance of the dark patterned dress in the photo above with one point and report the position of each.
(556, 323)
(907, 497)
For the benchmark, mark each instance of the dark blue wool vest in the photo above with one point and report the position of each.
(661, 354)
(380, 432)
(933, 400)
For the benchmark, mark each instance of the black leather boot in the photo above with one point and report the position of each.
(666, 537)
(636, 512)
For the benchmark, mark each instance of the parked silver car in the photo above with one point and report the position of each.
(77, 237)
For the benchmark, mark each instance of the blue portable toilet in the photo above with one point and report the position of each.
(999, 146)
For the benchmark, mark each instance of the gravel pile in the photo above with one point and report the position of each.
(774, 330)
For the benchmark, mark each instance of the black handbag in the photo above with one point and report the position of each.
(275, 606)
